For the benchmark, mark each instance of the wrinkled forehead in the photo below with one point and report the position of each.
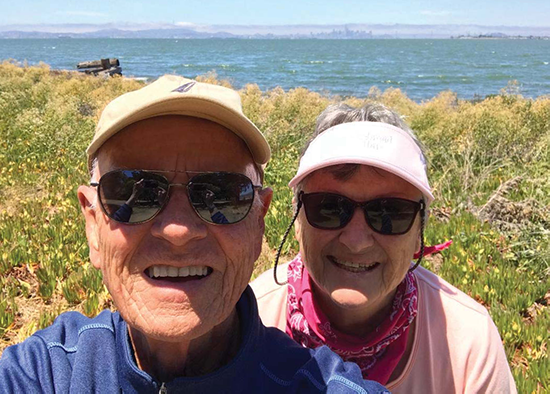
(359, 176)
(176, 143)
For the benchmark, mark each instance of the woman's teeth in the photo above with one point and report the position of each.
(354, 267)
(166, 271)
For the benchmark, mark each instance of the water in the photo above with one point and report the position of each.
(421, 68)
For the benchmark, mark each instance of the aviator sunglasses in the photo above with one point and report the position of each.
(387, 216)
(137, 196)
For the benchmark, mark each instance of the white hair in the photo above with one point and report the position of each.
(373, 112)
(93, 178)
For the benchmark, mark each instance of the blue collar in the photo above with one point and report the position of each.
(247, 359)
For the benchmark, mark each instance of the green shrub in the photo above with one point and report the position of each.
(489, 164)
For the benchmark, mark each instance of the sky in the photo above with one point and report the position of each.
(277, 12)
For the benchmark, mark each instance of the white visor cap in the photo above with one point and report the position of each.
(374, 144)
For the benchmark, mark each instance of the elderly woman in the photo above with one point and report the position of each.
(362, 198)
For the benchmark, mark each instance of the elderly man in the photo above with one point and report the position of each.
(174, 220)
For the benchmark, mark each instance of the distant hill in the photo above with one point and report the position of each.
(153, 33)
(117, 33)
(347, 31)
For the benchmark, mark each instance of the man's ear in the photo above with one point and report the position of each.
(87, 196)
(265, 197)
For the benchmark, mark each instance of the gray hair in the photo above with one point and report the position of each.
(373, 112)
(342, 113)
(93, 169)
(93, 178)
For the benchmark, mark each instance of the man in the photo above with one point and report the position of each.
(174, 220)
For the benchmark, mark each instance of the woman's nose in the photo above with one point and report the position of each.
(357, 235)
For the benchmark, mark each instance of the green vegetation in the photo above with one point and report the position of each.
(489, 163)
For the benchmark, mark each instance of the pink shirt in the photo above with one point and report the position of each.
(457, 348)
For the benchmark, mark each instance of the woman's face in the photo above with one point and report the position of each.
(355, 268)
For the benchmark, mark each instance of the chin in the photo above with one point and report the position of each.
(169, 328)
(349, 298)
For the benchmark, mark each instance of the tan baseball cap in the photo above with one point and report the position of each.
(175, 95)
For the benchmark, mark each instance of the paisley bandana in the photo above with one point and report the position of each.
(378, 353)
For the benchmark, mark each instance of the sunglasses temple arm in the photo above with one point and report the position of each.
(283, 242)
(422, 214)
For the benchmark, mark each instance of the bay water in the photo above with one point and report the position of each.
(420, 68)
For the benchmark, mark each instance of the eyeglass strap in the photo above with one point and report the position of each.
(283, 241)
(422, 222)
(279, 250)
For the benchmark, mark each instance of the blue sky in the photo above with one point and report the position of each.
(278, 12)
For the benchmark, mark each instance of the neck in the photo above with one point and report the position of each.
(358, 321)
(166, 361)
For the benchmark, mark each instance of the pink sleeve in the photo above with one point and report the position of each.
(488, 370)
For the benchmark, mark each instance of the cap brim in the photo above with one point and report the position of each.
(368, 162)
(195, 107)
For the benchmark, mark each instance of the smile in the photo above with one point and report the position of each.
(166, 271)
(353, 267)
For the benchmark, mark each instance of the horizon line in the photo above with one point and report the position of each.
(192, 24)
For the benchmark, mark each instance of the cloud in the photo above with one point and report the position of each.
(186, 24)
(82, 13)
(435, 13)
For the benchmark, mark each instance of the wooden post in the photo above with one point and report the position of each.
(103, 67)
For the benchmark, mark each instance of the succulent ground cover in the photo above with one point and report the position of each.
(489, 163)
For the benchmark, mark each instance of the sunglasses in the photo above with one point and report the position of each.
(137, 196)
(388, 216)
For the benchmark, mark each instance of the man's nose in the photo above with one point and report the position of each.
(178, 223)
(357, 235)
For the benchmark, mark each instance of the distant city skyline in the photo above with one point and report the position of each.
(347, 31)
(194, 13)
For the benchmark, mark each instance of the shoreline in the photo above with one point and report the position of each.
(510, 88)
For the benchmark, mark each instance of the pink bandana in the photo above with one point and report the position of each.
(434, 249)
(378, 353)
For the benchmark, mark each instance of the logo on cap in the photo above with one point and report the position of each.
(184, 88)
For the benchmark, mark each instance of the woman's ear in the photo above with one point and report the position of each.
(422, 228)
(297, 225)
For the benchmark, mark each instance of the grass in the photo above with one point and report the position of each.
(489, 166)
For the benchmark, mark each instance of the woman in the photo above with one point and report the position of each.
(362, 198)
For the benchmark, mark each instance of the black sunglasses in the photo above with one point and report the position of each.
(137, 196)
(388, 216)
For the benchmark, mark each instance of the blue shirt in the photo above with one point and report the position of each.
(81, 355)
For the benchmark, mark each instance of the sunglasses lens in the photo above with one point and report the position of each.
(327, 211)
(391, 216)
(132, 196)
(221, 198)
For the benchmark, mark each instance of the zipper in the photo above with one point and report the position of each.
(163, 389)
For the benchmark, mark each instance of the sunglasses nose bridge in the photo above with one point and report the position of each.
(169, 190)
(170, 198)
(172, 186)
(365, 221)
(354, 206)
(177, 221)
(357, 235)
(178, 184)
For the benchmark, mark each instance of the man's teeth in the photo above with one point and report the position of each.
(162, 271)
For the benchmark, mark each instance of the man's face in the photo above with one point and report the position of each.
(356, 268)
(174, 309)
